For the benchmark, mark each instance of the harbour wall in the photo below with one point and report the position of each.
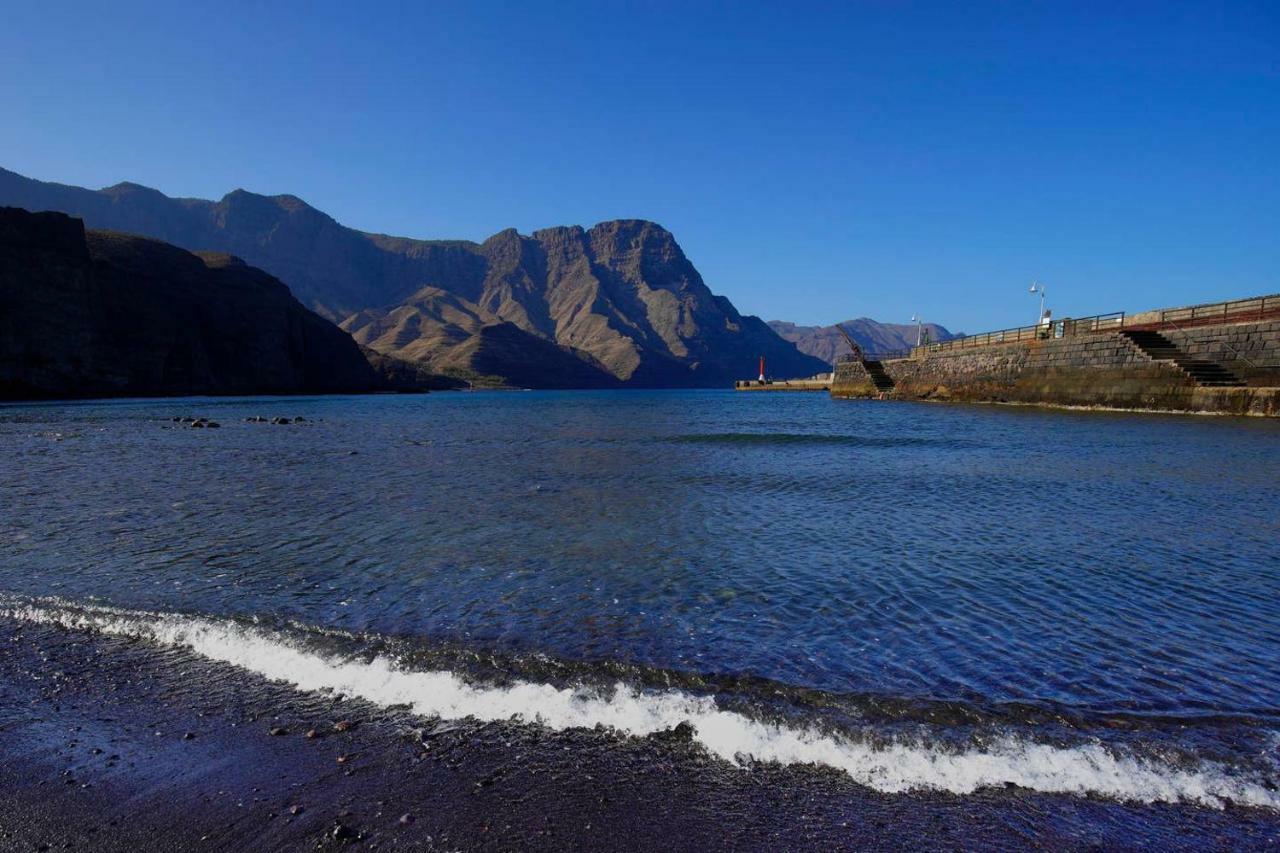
(1249, 350)
(785, 385)
(1104, 370)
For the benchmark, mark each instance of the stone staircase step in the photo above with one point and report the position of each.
(1159, 348)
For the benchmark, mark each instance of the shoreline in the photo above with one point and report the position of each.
(1060, 407)
(116, 744)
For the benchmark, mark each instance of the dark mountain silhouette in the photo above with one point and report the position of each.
(99, 313)
(618, 303)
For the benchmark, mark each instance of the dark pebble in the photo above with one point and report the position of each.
(278, 731)
(682, 733)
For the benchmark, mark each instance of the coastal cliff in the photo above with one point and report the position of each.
(97, 313)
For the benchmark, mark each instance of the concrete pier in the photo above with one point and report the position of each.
(783, 385)
(1228, 365)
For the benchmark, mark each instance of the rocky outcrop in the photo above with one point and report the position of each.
(97, 313)
(826, 342)
(615, 304)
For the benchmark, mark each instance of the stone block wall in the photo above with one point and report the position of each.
(1094, 370)
(1249, 350)
(851, 379)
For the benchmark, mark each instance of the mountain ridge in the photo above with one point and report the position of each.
(874, 337)
(620, 297)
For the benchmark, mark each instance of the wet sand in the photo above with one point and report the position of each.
(110, 744)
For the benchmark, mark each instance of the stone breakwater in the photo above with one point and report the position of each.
(1099, 370)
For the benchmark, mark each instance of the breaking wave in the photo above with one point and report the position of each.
(891, 765)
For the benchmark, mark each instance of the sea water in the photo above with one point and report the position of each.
(925, 597)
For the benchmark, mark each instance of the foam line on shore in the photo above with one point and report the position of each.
(892, 766)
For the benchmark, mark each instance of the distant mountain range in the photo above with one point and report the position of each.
(826, 342)
(616, 304)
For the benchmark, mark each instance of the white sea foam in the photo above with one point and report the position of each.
(891, 767)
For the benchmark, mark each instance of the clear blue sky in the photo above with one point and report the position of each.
(816, 162)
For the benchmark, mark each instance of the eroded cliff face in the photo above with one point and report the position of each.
(620, 297)
(97, 313)
(618, 303)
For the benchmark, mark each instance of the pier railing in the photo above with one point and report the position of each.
(1258, 307)
(874, 356)
(1065, 328)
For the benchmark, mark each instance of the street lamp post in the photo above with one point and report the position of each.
(915, 318)
(1037, 287)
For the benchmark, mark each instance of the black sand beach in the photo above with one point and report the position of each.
(109, 744)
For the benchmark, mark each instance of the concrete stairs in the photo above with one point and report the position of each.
(882, 380)
(1159, 348)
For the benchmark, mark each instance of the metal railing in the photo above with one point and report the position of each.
(1258, 306)
(874, 356)
(1065, 328)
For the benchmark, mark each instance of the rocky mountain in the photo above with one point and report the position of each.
(98, 313)
(618, 303)
(826, 342)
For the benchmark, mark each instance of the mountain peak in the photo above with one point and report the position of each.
(826, 342)
(618, 303)
(130, 188)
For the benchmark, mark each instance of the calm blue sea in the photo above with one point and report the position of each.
(928, 597)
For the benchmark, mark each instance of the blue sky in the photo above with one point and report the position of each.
(816, 162)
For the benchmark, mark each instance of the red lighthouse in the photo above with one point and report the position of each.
(761, 368)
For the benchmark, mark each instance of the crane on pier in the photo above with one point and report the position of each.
(853, 346)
